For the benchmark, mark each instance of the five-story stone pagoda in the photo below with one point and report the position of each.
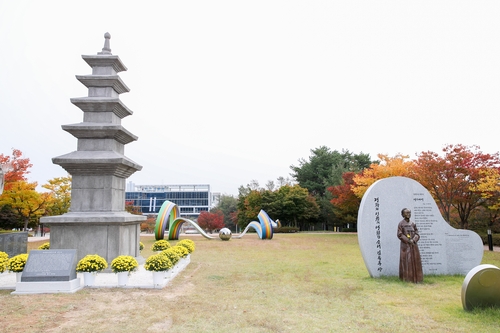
(97, 222)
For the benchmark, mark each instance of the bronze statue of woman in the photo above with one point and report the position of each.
(410, 263)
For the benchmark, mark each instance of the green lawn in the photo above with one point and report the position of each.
(293, 283)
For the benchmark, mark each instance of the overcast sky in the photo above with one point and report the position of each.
(224, 92)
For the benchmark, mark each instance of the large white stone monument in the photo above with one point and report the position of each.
(97, 222)
(444, 250)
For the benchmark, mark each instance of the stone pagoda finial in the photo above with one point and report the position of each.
(106, 49)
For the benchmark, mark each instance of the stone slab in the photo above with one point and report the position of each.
(47, 287)
(50, 265)
(444, 249)
(14, 243)
(481, 287)
(109, 240)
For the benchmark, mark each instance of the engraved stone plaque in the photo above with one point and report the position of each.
(481, 287)
(14, 243)
(444, 250)
(50, 265)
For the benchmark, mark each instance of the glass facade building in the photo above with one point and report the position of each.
(191, 199)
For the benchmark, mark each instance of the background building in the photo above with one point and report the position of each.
(191, 199)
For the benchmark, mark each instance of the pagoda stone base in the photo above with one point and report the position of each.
(114, 234)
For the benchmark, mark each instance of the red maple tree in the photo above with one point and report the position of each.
(16, 167)
(452, 178)
(211, 221)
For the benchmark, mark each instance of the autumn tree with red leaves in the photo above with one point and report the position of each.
(452, 179)
(398, 165)
(17, 167)
(345, 202)
(211, 221)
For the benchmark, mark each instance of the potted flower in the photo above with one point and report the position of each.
(4, 260)
(123, 266)
(90, 265)
(141, 246)
(172, 255)
(158, 264)
(183, 254)
(181, 251)
(16, 264)
(160, 245)
(44, 246)
(188, 244)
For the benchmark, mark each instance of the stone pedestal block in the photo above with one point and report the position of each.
(108, 235)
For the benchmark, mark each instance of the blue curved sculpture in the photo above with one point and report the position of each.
(264, 229)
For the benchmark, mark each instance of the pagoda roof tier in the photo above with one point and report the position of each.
(100, 81)
(97, 163)
(105, 60)
(100, 131)
(102, 104)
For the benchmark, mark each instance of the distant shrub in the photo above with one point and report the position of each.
(286, 230)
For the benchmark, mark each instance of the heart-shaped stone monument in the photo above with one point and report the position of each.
(444, 250)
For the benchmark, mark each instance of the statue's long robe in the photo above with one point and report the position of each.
(410, 263)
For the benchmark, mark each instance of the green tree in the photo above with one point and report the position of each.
(8, 218)
(228, 206)
(292, 205)
(249, 206)
(324, 169)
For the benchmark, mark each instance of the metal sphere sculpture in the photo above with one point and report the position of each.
(225, 234)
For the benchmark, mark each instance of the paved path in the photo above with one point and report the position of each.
(495, 248)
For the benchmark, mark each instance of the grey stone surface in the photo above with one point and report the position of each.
(107, 239)
(481, 287)
(444, 249)
(97, 221)
(50, 265)
(14, 243)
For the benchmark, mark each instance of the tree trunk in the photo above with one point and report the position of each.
(26, 221)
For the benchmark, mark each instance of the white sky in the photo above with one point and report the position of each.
(224, 92)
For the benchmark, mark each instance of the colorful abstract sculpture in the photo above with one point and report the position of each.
(169, 215)
(264, 229)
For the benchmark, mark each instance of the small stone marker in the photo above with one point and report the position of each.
(444, 250)
(481, 287)
(50, 265)
(14, 243)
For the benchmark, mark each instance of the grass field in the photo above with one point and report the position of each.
(293, 283)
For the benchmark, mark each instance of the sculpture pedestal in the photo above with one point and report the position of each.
(108, 235)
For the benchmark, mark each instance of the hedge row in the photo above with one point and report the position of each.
(286, 230)
(495, 238)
